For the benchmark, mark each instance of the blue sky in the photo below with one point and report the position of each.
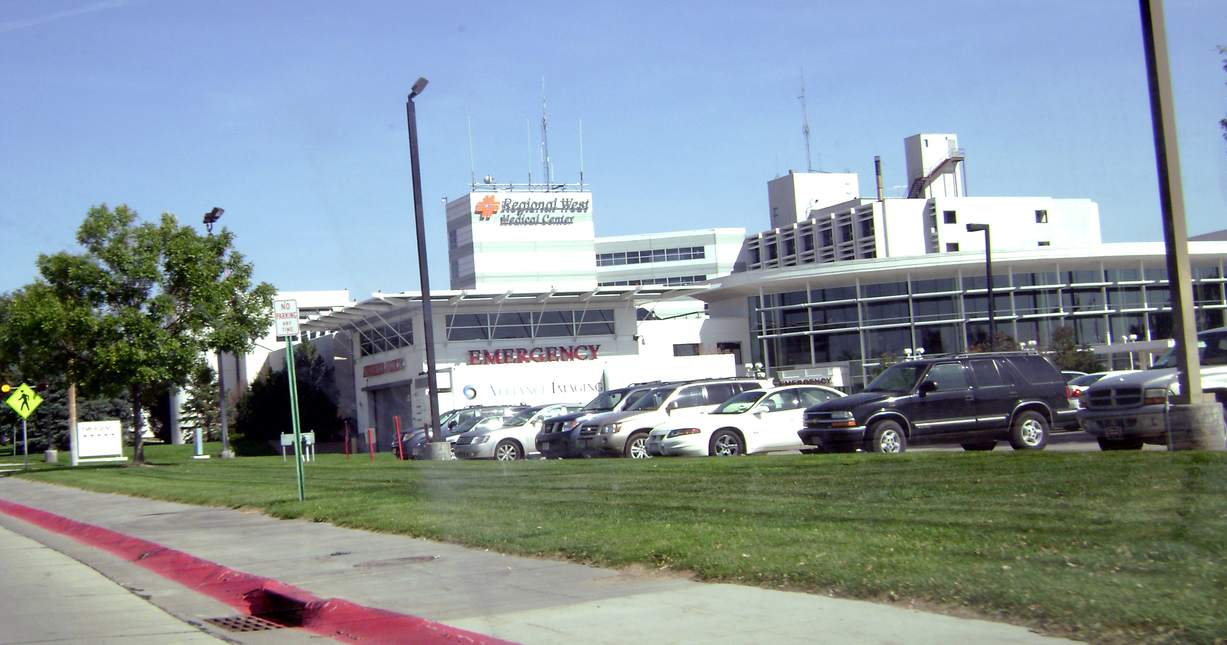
(291, 116)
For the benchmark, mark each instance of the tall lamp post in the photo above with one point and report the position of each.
(210, 219)
(988, 267)
(438, 446)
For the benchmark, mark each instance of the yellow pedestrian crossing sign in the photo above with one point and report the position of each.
(24, 400)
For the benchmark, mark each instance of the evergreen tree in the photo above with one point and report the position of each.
(264, 410)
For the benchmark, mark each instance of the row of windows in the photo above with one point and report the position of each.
(823, 238)
(534, 324)
(386, 338)
(798, 350)
(676, 281)
(951, 217)
(650, 256)
(1208, 277)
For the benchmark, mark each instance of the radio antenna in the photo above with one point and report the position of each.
(528, 136)
(545, 141)
(805, 127)
(472, 171)
(581, 153)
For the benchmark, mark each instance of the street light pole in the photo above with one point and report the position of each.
(988, 267)
(438, 446)
(210, 219)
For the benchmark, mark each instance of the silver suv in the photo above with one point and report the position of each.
(1124, 412)
(625, 434)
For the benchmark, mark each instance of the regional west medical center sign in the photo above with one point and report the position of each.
(531, 209)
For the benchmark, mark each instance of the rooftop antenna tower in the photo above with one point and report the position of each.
(805, 127)
(528, 136)
(581, 153)
(545, 142)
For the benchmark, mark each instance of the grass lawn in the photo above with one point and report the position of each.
(1118, 547)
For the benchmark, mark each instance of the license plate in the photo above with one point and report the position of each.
(1114, 432)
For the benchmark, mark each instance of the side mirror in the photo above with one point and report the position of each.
(671, 407)
(928, 386)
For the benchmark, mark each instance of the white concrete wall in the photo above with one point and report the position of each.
(1072, 223)
(791, 198)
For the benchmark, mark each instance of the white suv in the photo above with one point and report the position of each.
(625, 434)
(514, 439)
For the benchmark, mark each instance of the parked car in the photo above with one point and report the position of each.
(625, 434)
(514, 439)
(1125, 412)
(1078, 386)
(1072, 374)
(974, 400)
(465, 420)
(751, 422)
(557, 437)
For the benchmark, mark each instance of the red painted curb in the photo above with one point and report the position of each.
(333, 617)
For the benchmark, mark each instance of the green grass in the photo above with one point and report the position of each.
(1120, 547)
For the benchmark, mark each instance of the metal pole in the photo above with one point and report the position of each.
(25, 447)
(1171, 201)
(423, 266)
(992, 310)
(289, 362)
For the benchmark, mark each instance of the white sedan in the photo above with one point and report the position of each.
(751, 422)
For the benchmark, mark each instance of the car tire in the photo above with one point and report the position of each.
(726, 443)
(1120, 444)
(1029, 432)
(982, 446)
(886, 436)
(636, 446)
(508, 450)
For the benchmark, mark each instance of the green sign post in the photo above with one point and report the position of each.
(24, 402)
(285, 317)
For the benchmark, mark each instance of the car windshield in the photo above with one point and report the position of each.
(1169, 359)
(897, 378)
(652, 399)
(1087, 379)
(521, 417)
(605, 401)
(740, 403)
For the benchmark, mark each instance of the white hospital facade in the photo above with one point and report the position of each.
(541, 310)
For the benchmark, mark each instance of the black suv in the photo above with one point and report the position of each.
(969, 399)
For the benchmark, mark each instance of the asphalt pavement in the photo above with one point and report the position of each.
(519, 600)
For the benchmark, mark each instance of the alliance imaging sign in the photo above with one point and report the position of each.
(527, 209)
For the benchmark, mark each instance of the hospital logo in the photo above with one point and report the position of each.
(487, 207)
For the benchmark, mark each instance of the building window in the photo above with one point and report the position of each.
(455, 269)
(1041, 217)
(828, 239)
(952, 247)
(685, 349)
(949, 217)
(452, 239)
(650, 256)
(1045, 243)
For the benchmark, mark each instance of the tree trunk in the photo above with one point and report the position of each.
(138, 428)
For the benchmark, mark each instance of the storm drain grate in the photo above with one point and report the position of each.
(243, 623)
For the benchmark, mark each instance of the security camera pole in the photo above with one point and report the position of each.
(438, 446)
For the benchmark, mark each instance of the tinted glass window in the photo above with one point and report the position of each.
(653, 399)
(986, 374)
(740, 403)
(896, 378)
(948, 376)
(718, 393)
(783, 400)
(1035, 369)
(690, 397)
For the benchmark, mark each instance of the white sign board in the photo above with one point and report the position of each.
(99, 439)
(285, 315)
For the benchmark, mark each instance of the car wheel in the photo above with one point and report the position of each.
(887, 437)
(726, 443)
(1120, 444)
(508, 450)
(978, 447)
(637, 446)
(1030, 432)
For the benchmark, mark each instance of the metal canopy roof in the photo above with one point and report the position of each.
(382, 303)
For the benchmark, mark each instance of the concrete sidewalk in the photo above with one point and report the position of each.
(533, 602)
